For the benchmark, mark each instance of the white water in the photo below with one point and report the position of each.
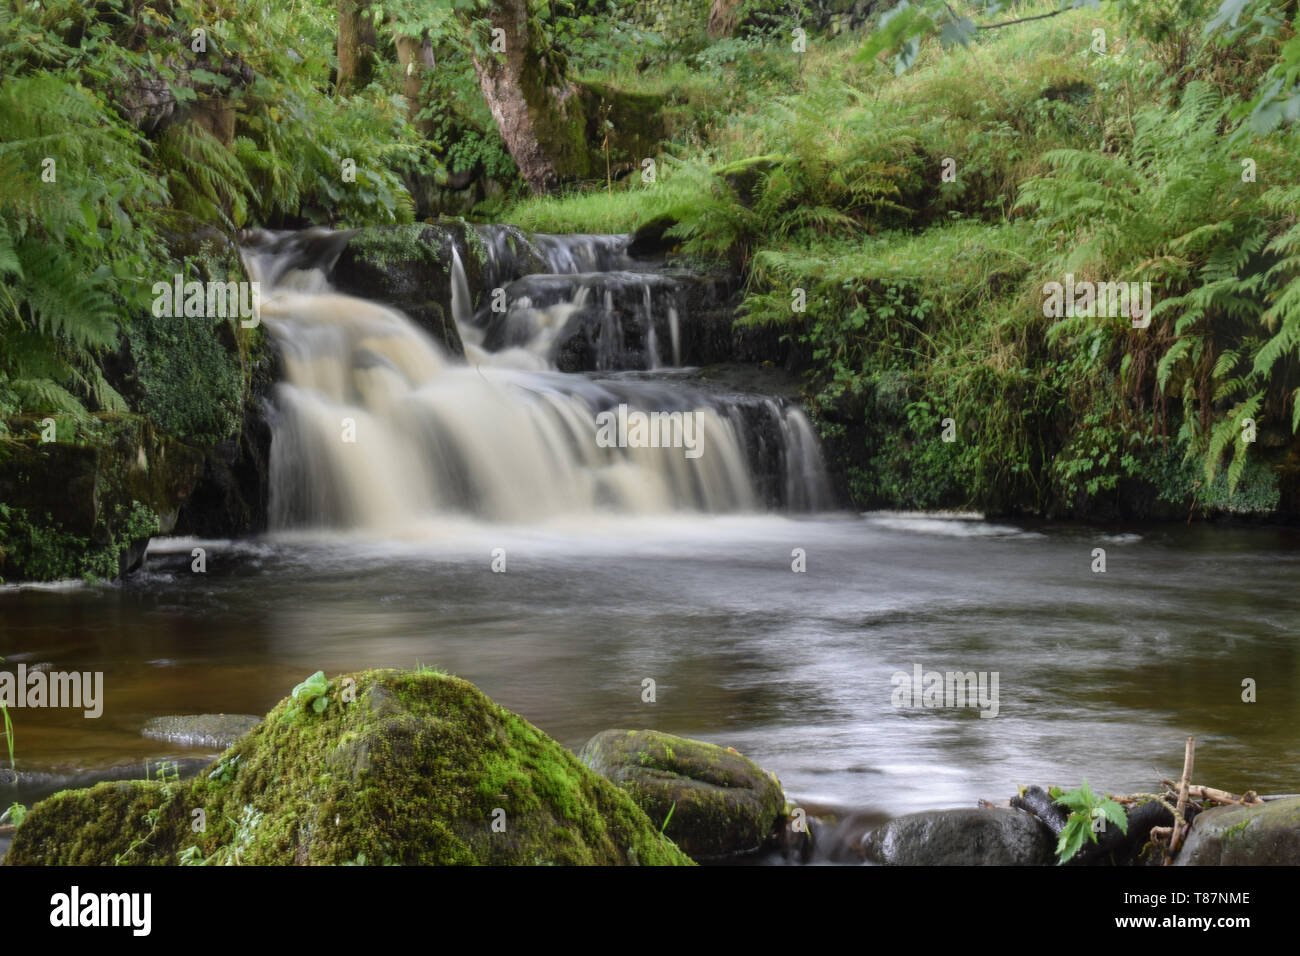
(380, 429)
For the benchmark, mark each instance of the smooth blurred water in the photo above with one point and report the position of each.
(1101, 675)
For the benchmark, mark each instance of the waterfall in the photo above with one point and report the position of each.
(378, 427)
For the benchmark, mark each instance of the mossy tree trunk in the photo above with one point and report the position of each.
(356, 45)
(537, 109)
(415, 55)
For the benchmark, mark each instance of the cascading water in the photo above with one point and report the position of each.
(379, 428)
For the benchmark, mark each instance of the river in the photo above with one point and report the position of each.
(1101, 675)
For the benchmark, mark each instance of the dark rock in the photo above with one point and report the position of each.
(995, 836)
(721, 804)
(409, 268)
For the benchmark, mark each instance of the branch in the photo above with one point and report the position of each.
(1179, 831)
(1011, 23)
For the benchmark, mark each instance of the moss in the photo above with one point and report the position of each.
(411, 771)
(1235, 830)
(119, 481)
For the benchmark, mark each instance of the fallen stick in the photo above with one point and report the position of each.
(1200, 792)
(1176, 840)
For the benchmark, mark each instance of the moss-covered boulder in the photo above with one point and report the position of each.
(717, 803)
(1264, 835)
(378, 767)
(410, 268)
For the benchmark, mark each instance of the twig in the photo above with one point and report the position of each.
(1176, 840)
(1007, 23)
(1199, 792)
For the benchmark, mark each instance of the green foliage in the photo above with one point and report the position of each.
(16, 812)
(192, 384)
(43, 551)
(226, 769)
(1085, 808)
(1175, 211)
(310, 694)
(64, 244)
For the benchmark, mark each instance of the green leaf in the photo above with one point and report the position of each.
(1076, 831)
(957, 32)
(1114, 813)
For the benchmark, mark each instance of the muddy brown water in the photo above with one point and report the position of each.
(1101, 675)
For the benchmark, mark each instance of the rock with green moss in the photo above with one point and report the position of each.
(1264, 835)
(85, 502)
(410, 268)
(395, 767)
(712, 801)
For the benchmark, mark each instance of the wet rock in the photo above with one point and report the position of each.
(721, 803)
(116, 486)
(996, 836)
(212, 731)
(1265, 835)
(409, 268)
(378, 767)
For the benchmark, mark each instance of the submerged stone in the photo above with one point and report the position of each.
(393, 767)
(713, 802)
(214, 731)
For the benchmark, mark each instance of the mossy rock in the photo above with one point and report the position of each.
(745, 176)
(1264, 835)
(722, 804)
(86, 504)
(398, 767)
(409, 268)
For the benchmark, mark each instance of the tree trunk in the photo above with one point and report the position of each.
(357, 44)
(723, 15)
(416, 58)
(539, 114)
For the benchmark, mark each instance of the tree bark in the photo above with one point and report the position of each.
(356, 46)
(723, 15)
(537, 109)
(416, 58)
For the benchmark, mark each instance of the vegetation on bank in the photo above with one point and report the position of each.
(1110, 144)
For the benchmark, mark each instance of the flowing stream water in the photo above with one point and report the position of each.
(630, 563)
